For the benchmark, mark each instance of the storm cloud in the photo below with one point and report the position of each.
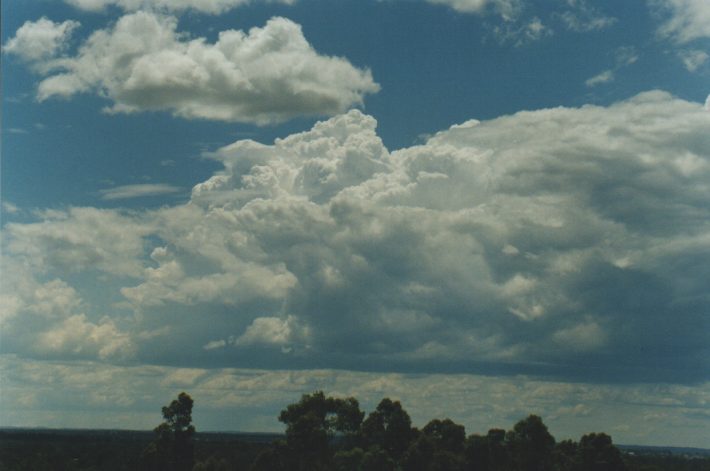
(563, 243)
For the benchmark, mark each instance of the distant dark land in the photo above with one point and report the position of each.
(39, 449)
(332, 434)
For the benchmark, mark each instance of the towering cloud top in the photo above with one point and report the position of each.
(561, 241)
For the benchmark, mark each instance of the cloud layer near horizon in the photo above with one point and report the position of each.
(250, 400)
(566, 242)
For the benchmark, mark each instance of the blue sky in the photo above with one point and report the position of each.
(484, 208)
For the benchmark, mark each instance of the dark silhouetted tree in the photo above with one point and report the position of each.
(596, 452)
(349, 460)
(388, 427)
(212, 464)
(476, 452)
(173, 449)
(530, 445)
(275, 458)
(377, 459)
(313, 422)
(564, 456)
(498, 453)
(446, 435)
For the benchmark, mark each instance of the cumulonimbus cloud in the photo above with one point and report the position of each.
(143, 63)
(564, 242)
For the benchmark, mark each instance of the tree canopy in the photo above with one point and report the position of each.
(173, 449)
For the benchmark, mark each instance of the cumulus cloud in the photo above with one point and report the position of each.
(202, 6)
(270, 331)
(576, 247)
(80, 239)
(47, 319)
(40, 40)
(689, 19)
(265, 75)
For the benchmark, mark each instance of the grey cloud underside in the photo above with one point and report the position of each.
(569, 243)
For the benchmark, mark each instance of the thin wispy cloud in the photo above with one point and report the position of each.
(212, 7)
(603, 77)
(693, 59)
(138, 191)
(688, 20)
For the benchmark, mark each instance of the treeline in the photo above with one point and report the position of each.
(326, 433)
(333, 434)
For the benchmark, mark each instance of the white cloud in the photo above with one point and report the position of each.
(77, 336)
(250, 400)
(689, 19)
(47, 319)
(508, 9)
(603, 77)
(624, 56)
(693, 59)
(262, 76)
(203, 6)
(80, 239)
(521, 32)
(10, 208)
(586, 229)
(40, 40)
(271, 331)
(213, 344)
(582, 17)
(137, 191)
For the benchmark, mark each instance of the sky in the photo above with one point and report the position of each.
(482, 208)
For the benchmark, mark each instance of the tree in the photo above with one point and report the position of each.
(388, 427)
(212, 464)
(428, 453)
(377, 459)
(498, 454)
(530, 444)
(564, 456)
(446, 435)
(275, 458)
(349, 460)
(476, 453)
(596, 452)
(172, 449)
(313, 422)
